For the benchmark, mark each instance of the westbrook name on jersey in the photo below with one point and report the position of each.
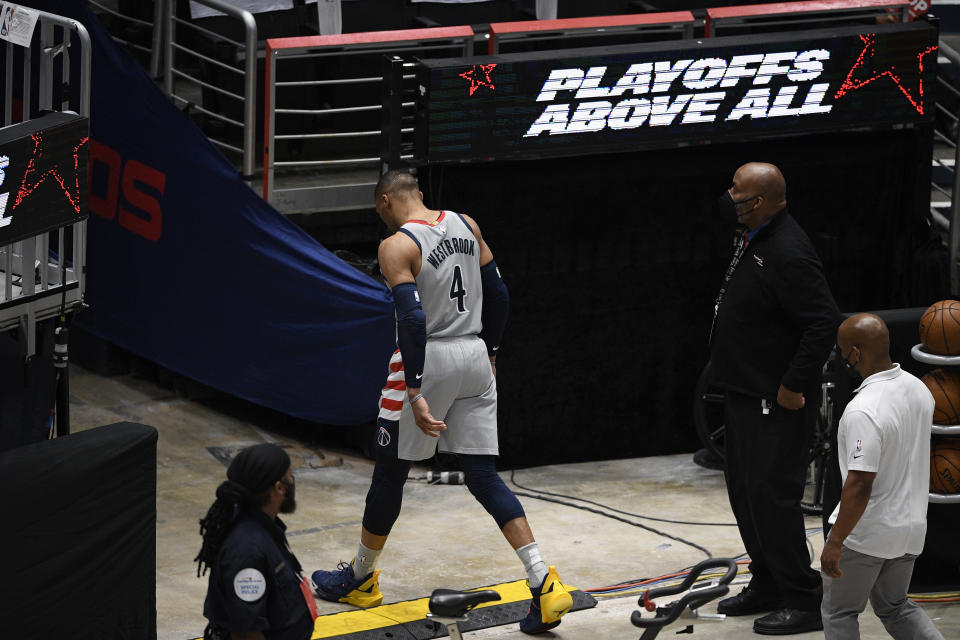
(449, 278)
(448, 247)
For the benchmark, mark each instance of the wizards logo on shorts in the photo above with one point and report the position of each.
(385, 436)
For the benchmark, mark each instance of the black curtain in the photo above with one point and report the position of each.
(79, 539)
(613, 263)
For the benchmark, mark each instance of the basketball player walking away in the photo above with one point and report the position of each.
(879, 526)
(451, 308)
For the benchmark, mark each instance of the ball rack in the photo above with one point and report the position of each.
(922, 355)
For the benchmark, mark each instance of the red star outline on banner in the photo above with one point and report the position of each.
(869, 51)
(479, 76)
(72, 190)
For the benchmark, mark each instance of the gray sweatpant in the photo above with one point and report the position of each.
(885, 582)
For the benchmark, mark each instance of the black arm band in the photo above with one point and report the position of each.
(496, 306)
(411, 332)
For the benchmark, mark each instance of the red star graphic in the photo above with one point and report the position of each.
(479, 76)
(70, 189)
(860, 75)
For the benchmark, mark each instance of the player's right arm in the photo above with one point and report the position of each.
(399, 260)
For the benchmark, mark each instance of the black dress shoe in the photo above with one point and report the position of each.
(708, 459)
(784, 622)
(747, 602)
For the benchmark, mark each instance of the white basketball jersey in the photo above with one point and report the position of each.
(449, 278)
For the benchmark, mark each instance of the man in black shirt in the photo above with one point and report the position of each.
(255, 590)
(773, 329)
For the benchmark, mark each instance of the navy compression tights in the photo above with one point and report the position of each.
(386, 491)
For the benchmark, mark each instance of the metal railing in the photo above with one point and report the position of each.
(45, 273)
(677, 24)
(342, 134)
(947, 136)
(226, 69)
(128, 30)
(324, 121)
(811, 13)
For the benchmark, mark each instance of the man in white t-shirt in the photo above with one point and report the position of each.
(879, 526)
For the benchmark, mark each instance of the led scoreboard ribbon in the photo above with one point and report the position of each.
(668, 93)
(43, 175)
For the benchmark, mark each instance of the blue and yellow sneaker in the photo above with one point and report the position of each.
(342, 586)
(550, 602)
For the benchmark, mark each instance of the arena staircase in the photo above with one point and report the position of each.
(944, 177)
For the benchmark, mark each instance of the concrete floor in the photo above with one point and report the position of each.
(443, 537)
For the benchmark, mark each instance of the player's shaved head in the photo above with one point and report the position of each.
(764, 178)
(868, 333)
(396, 182)
(397, 199)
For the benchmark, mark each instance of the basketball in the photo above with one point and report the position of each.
(940, 328)
(945, 465)
(945, 387)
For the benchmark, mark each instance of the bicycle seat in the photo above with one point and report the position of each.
(454, 604)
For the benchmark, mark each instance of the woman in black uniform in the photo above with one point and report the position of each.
(255, 590)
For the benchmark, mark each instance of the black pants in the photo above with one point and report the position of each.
(766, 471)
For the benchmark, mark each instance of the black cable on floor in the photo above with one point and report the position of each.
(626, 513)
(613, 517)
(618, 518)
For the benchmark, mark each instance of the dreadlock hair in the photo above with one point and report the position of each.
(249, 478)
(231, 496)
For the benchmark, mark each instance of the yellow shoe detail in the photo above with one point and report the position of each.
(555, 601)
(367, 594)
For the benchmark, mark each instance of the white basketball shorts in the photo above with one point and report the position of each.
(459, 386)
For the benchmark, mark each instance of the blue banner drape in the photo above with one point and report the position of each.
(190, 268)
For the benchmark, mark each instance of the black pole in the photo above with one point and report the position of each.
(390, 114)
(60, 361)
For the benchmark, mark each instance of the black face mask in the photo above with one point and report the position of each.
(848, 367)
(728, 207)
(289, 504)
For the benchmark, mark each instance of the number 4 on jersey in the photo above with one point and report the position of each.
(457, 292)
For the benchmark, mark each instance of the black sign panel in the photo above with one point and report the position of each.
(663, 94)
(43, 175)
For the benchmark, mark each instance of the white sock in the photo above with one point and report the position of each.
(533, 564)
(365, 560)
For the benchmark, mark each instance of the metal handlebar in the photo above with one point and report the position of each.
(694, 599)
